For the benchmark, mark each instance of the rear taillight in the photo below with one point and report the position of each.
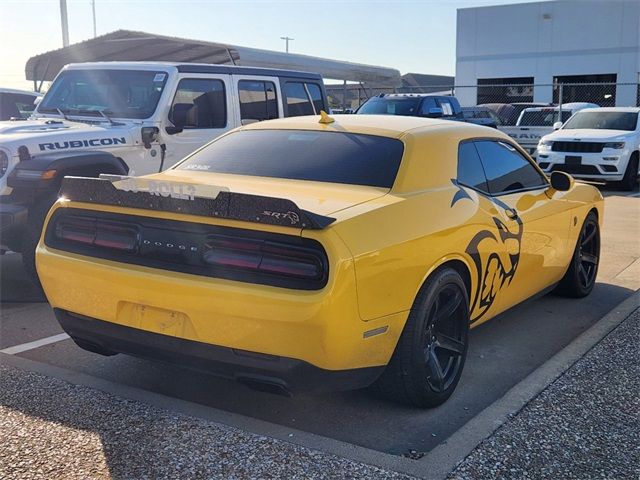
(92, 232)
(265, 257)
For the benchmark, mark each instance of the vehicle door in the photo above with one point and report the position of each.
(202, 109)
(486, 247)
(534, 222)
(259, 98)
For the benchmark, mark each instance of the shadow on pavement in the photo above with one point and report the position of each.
(15, 285)
(502, 352)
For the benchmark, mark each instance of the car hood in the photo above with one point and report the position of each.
(46, 135)
(590, 134)
(316, 197)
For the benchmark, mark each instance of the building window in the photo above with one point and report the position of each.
(505, 90)
(600, 89)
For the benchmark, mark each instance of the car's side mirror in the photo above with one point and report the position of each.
(557, 125)
(561, 181)
(172, 130)
(434, 112)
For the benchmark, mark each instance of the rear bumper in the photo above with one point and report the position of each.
(264, 372)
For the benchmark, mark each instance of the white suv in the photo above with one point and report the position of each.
(596, 144)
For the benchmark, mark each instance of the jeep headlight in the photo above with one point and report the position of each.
(4, 163)
(616, 145)
(545, 143)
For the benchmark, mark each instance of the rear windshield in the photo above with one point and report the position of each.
(604, 121)
(407, 106)
(544, 118)
(332, 157)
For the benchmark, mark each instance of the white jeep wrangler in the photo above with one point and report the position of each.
(130, 118)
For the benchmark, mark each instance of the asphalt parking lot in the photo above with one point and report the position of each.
(502, 352)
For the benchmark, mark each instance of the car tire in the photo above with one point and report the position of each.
(429, 357)
(580, 278)
(630, 180)
(37, 214)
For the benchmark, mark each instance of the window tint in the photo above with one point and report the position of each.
(298, 102)
(470, 171)
(14, 105)
(303, 155)
(257, 100)
(390, 106)
(199, 103)
(506, 169)
(542, 118)
(603, 120)
(427, 104)
(316, 96)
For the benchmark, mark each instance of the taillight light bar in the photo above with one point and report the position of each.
(265, 257)
(92, 232)
(249, 256)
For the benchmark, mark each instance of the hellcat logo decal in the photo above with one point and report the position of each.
(494, 271)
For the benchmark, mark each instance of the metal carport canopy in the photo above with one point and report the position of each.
(127, 45)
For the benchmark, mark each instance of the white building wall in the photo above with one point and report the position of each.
(547, 39)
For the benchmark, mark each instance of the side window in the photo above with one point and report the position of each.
(298, 102)
(199, 103)
(25, 105)
(316, 96)
(506, 169)
(427, 104)
(257, 100)
(470, 171)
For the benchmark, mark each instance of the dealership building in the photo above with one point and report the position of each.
(523, 52)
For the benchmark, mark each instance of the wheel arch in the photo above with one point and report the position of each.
(457, 263)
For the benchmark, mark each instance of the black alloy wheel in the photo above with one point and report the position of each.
(429, 357)
(588, 252)
(445, 338)
(580, 277)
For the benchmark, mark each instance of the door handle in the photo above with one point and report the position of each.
(511, 213)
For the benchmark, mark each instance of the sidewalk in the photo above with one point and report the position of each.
(585, 425)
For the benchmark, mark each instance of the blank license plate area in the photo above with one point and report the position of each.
(152, 319)
(572, 160)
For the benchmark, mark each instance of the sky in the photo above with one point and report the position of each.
(412, 36)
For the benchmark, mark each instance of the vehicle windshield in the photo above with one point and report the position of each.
(603, 121)
(544, 118)
(117, 93)
(333, 157)
(407, 106)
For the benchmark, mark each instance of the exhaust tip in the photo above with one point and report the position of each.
(273, 386)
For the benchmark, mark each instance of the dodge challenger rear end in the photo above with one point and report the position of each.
(227, 263)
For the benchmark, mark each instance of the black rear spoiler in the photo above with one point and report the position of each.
(234, 206)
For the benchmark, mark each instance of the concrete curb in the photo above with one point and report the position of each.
(443, 459)
(437, 464)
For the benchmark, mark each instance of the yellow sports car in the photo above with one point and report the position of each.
(317, 253)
